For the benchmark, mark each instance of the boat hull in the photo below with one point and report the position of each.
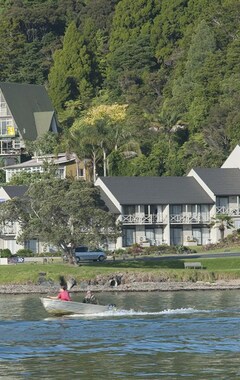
(58, 307)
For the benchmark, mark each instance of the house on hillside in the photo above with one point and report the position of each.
(67, 166)
(26, 113)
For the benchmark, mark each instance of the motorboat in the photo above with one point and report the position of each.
(59, 307)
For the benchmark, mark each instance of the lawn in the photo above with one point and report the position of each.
(169, 269)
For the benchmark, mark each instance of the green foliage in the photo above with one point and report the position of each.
(222, 222)
(169, 60)
(5, 252)
(69, 78)
(25, 252)
(46, 144)
(24, 178)
(63, 213)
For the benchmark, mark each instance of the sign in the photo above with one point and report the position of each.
(15, 260)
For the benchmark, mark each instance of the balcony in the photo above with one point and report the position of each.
(189, 219)
(231, 211)
(134, 219)
(8, 230)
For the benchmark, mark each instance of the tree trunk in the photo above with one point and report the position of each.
(222, 233)
(94, 168)
(104, 163)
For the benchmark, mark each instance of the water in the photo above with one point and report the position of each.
(160, 335)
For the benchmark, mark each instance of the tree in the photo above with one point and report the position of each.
(101, 129)
(63, 213)
(46, 144)
(223, 222)
(69, 78)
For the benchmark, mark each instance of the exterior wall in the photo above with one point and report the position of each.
(9, 140)
(109, 194)
(10, 243)
(3, 195)
(71, 171)
(233, 160)
(30, 169)
(67, 169)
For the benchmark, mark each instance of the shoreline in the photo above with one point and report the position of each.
(128, 287)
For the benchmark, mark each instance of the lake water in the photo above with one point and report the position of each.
(159, 335)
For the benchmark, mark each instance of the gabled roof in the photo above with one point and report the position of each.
(221, 181)
(30, 107)
(43, 121)
(15, 191)
(156, 190)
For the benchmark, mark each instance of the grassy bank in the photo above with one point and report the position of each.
(146, 270)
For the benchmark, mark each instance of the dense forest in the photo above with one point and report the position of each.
(143, 87)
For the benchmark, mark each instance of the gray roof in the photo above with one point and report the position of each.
(15, 191)
(156, 190)
(222, 181)
(31, 108)
(40, 161)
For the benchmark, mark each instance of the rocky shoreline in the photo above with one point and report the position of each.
(48, 288)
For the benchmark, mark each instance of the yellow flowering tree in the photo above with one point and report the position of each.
(100, 130)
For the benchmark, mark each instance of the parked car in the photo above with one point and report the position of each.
(84, 254)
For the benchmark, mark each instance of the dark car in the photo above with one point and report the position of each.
(85, 254)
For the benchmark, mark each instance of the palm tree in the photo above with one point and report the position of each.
(222, 222)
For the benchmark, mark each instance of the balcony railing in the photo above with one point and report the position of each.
(142, 219)
(189, 219)
(8, 230)
(231, 211)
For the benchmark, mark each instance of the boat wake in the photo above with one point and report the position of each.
(131, 312)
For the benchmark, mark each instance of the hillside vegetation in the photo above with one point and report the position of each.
(172, 66)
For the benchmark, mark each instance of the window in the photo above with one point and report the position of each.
(176, 236)
(32, 245)
(176, 209)
(6, 127)
(129, 237)
(154, 235)
(128, 210)
(202, 235)
(3, 106)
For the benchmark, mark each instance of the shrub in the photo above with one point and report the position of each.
(50, 254)
(183, 249)
(25, 252)
(5, 252)
(153, 249)
(119, 251)
(135, 249)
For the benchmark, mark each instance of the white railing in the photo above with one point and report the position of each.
(228, 210)
(8, 230)
(141, 219)
(189, 219)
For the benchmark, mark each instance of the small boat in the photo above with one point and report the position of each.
(58, 307)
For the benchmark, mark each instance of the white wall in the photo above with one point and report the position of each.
(233, 160)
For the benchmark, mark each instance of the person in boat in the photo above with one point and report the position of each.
(63, 294)
(90, 298)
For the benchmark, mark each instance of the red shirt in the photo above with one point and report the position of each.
(64, 295)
